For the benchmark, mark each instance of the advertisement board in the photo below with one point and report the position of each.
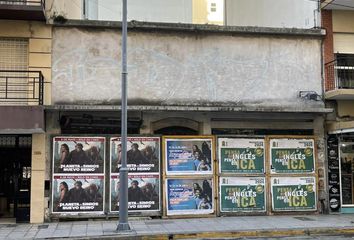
(293, 193)
(292, 155)
(75, 155)
(143, 154)
(189, 196)
(242, 194)
(241, 155)
(186, 156)
(78, 194)
(143, 192)
(78, 174)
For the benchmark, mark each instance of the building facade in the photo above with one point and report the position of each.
(337, 18)
(25, 75)
(224, 81)
(219, 88)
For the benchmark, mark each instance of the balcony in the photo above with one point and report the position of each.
(340, 79)
(337, 4)
(21, 88)
(22, 10)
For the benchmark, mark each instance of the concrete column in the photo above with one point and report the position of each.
(52, 128)
(321, 163)
(37, 178)
(205, 125)
(146, 127)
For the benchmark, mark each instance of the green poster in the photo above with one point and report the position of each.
(292, 156)
(293, 194)
(241, 155)
(242, 194)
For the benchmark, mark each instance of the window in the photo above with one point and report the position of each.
(345, 70)
(13, 60)
(13, 54)
(213, 7)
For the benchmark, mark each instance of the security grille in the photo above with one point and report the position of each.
(13, 54)
(7, 141)
(13, 57)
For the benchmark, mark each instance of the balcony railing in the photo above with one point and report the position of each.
(22, 9)
(37, 3)
(21, 87)
(340, 73)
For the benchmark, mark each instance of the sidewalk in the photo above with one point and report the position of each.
(220, 227)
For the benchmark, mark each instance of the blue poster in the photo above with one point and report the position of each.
(189, 156)
(189, 196)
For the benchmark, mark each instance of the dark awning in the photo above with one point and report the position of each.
(21, 119)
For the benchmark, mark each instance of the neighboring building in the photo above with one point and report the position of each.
(173, 11)
(338, 20)
(273, 13)
(25, 74)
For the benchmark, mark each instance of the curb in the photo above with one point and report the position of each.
(228, 234)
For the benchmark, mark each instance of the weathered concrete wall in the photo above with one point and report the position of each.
(181, 68)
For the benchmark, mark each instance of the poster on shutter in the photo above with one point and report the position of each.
(241, 155)
(78, 194)
(184, 156)
(242, 194)
(333, 170)
(292, 155)
(293, 193)
(74, 155)
(143, 192)
(143, 154)
(189, 196)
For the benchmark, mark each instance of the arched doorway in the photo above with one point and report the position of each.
(176, 126)
(176, 130)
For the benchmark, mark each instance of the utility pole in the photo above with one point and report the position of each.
(123, 224)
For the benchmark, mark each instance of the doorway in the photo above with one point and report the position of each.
(346, 153)
(15, 178)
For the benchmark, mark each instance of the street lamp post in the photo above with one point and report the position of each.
(123, 224)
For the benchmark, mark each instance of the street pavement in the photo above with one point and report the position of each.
(240, 227)
(337, 237)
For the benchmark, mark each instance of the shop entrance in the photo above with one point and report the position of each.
(346, 151)
(15, 178)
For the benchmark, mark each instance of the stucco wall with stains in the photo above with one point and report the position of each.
(185, 68)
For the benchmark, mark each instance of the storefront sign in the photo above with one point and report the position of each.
(75, 155)
(242, 194)
(292, 155)
(293, 193)
(143, 154)
(188, 156)
(143, 192)
(189, 196)
(78, 194)
(241, 155)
